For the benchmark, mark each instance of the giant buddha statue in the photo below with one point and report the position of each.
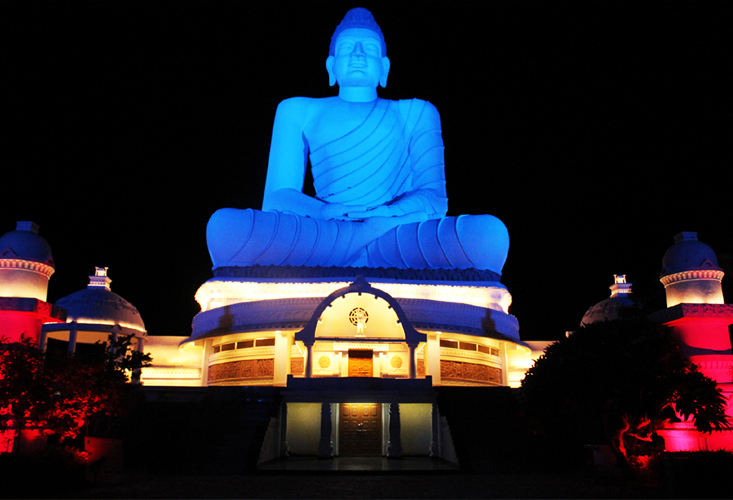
(378, 173)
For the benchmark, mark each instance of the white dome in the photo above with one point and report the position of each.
(98, 304)
(608, 309)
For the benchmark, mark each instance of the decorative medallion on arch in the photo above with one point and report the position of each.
(359, 315)
(362, 318)
(360, 311)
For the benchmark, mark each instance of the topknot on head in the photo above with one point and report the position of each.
(357, 17)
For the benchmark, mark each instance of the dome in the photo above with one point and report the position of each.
(98, 304)
(24, 243)
(688, 254)
(608, 309)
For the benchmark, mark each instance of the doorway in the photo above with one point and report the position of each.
(360, 430)
(361, 363)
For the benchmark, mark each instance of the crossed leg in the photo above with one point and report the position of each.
(249, 237)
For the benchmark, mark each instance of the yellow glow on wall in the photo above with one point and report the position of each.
(219, 292)
(170, 373)
(380, 319)
(345, 346)
(93, 321)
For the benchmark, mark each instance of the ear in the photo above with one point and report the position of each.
(329, 68)
(385, 72)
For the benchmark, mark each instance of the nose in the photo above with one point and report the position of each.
(358, 50)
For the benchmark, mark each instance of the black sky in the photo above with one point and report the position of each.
(595, 130)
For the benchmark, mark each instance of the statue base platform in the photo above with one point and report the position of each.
(315, 321)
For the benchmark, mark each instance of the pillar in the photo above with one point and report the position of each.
(112, 339)
(394, 448)
(504, 363)
(435, 443)
(413, 367)
(283, 451)
(432, 358)
(282, 359)
(325, 445)
(309, 360)
(205, 361)
(139, 348)
(43, 341)
(72, 338)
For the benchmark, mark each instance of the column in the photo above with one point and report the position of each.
(309, 360)
(504, 363)
(432, 358)
(376, 364)
(139, 348)
(325, 445)
(283, 452)
(282, 359)
(394, 448)
(112, 339)
(72, 338)
(43, 341)
(413, 367)
(435, 443)
(205, 362)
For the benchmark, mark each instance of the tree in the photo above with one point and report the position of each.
(26, 390)
(62, 393)
(616, 382)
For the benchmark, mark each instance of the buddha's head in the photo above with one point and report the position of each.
(358, 54)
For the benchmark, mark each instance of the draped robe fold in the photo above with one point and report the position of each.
(395, 155)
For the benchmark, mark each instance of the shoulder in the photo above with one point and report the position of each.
(301, 108)
(301, 103)
(419, 105)
(425, 110)
(295, 104)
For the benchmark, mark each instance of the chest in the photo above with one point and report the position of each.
(341, 119)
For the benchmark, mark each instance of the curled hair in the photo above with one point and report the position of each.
(360, 18)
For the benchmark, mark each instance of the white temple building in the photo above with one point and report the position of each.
(259, 331)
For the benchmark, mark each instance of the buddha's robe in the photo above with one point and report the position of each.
(394, 156)
(396, 151)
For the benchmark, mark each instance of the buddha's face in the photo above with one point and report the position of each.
(358, 60)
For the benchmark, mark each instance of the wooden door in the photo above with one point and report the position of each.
(361, 363)
(360, 430)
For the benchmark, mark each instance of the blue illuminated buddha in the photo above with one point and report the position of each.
(378, 173)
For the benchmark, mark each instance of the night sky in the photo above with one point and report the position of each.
(595, 130)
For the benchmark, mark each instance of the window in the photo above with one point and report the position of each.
(468, 346)
(488, 350)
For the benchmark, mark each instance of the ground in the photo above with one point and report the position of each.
(371, 485)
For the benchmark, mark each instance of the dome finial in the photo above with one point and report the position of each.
(100, 279)
(685, 236)
(26, 225)
(620, 286)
